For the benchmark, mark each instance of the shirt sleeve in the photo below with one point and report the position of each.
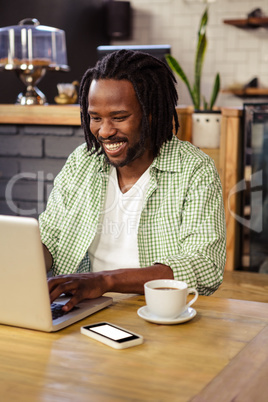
(202, 232)
(51, 221)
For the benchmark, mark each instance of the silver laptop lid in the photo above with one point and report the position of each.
(24, 297)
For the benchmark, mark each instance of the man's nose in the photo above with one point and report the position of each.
(107, 129)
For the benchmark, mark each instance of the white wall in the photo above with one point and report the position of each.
(238, 55)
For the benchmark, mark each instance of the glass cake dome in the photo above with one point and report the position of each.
(31, 49)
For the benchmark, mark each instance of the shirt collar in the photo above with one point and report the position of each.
(169, 158)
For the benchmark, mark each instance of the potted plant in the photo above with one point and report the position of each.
(204, 114)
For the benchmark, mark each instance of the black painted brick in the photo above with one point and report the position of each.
(8, 129)
(49, 130)
(79, 132)
(8, 167)
(18, 145)
(61, 147)
(49, 167)
(5, 210)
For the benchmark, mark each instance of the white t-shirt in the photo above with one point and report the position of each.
(115, 244)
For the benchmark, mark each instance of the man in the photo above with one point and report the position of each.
(134, 203)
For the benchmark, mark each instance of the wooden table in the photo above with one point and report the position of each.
(175, 362)
(244, 285)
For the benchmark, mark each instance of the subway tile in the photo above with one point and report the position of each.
(176, 23)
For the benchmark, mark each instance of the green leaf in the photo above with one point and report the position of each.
(203, 23)
(215, 91)
(175, 66)
(200, 54)
(199, 59)
(195, 91)
(196, 97)
(205, 103)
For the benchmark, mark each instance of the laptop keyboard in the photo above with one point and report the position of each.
(57, 312)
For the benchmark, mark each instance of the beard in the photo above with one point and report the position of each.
(133, 153)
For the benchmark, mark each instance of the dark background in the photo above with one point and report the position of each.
(85, 28)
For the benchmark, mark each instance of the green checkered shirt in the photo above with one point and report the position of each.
(182, 223)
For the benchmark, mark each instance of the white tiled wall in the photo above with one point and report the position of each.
(238, 55)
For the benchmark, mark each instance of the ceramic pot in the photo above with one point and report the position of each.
(206, 129)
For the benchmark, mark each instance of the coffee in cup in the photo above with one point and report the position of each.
(167, 298)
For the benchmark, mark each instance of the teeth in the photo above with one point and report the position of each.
(113, 147)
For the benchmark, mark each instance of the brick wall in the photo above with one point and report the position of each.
(30, 158)
(237, 54)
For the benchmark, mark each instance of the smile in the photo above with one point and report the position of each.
(113, 147)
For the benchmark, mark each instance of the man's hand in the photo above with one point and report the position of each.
(80, 286)
(94, 284)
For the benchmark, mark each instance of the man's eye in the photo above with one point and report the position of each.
(120, 118)
(94, 118)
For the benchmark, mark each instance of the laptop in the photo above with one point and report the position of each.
(24, 295)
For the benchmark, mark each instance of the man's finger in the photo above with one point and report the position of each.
(65, 287)
(71, 303)
(54, 282)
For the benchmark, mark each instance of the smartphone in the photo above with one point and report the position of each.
(112, 335)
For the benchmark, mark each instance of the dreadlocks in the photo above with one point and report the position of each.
(154, 85)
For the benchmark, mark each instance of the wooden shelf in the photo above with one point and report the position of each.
(39, 114)
(247, 92)
(246, 23)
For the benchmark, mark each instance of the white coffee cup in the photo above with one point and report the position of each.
(167, 298)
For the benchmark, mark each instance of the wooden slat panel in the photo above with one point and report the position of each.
(228, 163)
(214, 153)
(232, 176)
(222, 158)
(185, 120)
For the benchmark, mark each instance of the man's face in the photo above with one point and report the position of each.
(115, 120)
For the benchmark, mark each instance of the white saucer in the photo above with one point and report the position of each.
(144, 313)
